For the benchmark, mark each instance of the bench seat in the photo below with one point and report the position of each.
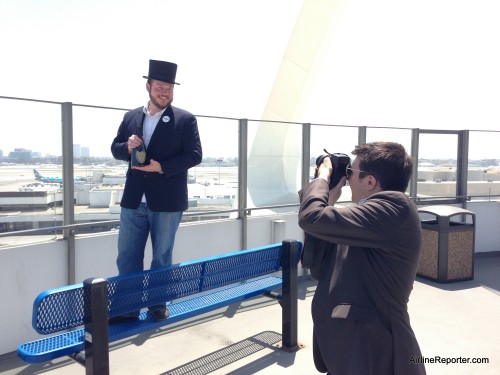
(76, 316)
(67, 343)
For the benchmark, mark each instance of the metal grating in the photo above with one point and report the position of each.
(59, 309)
(63, 308)
(71, 342)
(52, 347)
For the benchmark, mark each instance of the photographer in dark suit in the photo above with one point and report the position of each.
(155, 193)
(359, 310)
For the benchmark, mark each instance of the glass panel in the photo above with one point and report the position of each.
(274, 165)
(93, 132)
(99, 178)
(483, 178)
(402, 136)
(335, 139)
(213, 185)
(437, 165)
(28, 201)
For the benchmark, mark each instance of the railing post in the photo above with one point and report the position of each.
(361, 135)
(462, 166)
(68, 186)
(415, 138)
(306, 154)
(243, 178)
(96, 328)
(289, 261)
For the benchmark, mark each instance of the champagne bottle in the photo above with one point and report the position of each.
(138, 157)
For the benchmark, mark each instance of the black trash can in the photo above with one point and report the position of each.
(447, 252)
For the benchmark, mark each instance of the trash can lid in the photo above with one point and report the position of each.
(441, 210)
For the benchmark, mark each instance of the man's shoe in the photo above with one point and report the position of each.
(159, 315)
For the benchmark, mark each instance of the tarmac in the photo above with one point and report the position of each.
(455, 323)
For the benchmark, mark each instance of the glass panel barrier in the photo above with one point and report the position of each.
(402, 136)
(483, 177)
(98, 177)
(213, 185)
(274, 164)
(335, 139)
(31, 167)
(437, 165)
(30, 170)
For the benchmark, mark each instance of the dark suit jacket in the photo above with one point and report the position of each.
(175, 145)
(361, 323)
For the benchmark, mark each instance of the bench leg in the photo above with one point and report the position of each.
(289, 295)
(96, 331)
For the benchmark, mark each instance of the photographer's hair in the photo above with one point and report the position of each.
(388, 162)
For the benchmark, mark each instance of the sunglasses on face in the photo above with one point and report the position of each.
(349, 170)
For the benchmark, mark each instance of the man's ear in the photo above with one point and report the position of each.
(373, 183)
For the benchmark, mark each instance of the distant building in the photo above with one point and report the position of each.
(20, 155)
(80, 151)
(76, 151)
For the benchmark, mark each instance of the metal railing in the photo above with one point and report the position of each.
(68, 226)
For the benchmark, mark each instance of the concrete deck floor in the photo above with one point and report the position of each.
(452, 320)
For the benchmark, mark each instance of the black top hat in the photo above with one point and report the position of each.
(162, 71)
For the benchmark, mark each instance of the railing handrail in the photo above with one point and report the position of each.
(117, 221)
(246, 211)
(236, 118)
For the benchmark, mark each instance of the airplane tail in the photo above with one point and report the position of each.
(37, 174)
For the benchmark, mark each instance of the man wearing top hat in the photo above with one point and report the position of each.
(155, 193)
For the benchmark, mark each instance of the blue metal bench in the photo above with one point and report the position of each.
(81, 311)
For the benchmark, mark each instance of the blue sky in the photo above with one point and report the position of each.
(428, 63)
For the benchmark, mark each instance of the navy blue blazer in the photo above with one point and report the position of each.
(175, 144)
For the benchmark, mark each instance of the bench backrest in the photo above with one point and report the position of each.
(63, 308)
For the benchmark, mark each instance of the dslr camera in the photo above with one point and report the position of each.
(339, 164)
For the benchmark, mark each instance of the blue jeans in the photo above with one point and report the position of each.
(135, 227)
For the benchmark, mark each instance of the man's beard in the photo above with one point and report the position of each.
(158, 105)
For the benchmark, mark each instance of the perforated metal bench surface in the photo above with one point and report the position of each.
(200, 286)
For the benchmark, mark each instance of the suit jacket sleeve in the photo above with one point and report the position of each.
(374, 224)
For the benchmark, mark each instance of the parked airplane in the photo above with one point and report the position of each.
(59, 180)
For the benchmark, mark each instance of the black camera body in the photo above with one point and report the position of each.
(339, 164)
